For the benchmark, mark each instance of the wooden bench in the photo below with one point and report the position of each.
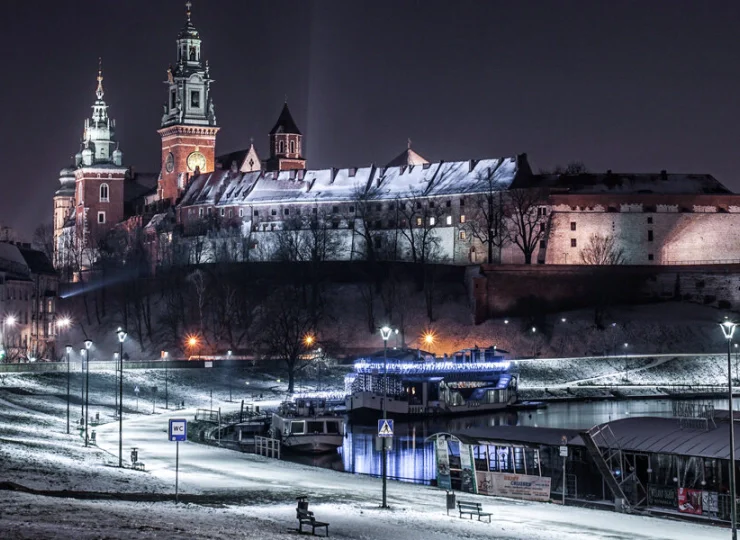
(306, 518)
(472, 508)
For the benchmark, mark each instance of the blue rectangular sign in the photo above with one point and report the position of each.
(385, 428)
(178, 430)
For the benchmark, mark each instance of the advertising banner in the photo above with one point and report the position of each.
(689, 501)
(443, 464)
(468, 470)
(710, 502)
(662, 496)
(516, 486)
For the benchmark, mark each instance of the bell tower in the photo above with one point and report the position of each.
(189, 120)
(286, 144)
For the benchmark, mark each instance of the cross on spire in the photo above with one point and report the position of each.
(188, 6)
(408, 144)
(99, 92)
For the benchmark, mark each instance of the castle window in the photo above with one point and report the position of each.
(273, 212)
(650, 256)
(431, 204)
(286, 211)
(223, 212)
(448, 220)
(572, 225)
(101, 217)
(462, 235)
(241, 212)
(192, 54)
(335, 209)
(432, 221)
(173, 99)
(462, 218)
(292, 147)
(104, 193)
(448, 204)
(281, 147)
(573, 242)
(650, 220)
(351, 208)
(195, 99)
(419, 222)
(200, 212)
(650, 236)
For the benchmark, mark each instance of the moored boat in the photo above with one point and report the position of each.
(308, 426)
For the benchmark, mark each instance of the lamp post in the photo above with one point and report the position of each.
(69, 350)
(228, 356)
(86, 359)
(121, 338)
(385, 334)
(82, 385)
(115, 383)
(728, 329)
(165, 356)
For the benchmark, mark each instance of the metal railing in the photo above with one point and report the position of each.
(699, 262)
(206, 415)
(265, 446)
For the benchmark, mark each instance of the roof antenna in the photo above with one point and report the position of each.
(408, 144)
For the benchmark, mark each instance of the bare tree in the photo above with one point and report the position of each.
(365, 220)
(487, 222)
(528, 219)
(286, 321)
(43, 239)
(420, 218)
(575, 168)
(602, 250)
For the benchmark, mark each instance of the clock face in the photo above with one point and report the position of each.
(196, 160)
(169, 163)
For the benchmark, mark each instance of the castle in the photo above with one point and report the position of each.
(203, 207)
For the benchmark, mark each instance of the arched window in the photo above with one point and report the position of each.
(104, 193)
(281, 147)
(292, 147)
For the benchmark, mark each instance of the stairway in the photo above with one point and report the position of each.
(607, 460)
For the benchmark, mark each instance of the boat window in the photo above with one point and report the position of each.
(297, 428)
(332, 427)
(315, 427)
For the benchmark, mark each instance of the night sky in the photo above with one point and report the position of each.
(630, 86)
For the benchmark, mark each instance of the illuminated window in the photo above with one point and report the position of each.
(462, 235)
(448, 220)
(573, 242)
(104, 193)
(462, 218)
(432, 221)
(419, 221)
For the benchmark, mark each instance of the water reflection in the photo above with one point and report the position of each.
(412, 459)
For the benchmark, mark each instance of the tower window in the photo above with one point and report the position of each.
(192, 53)
(101, 217)
(650, 257)
(281, 147)
(200, 212)
(292, 147)
(104, 193)
(173, 99)
(650, 236)
(195, 99)
(241, 212)
(650, 220)
(573, 242)
(223, 212)
(572, 225)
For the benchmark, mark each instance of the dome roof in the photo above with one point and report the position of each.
(188, 31)
(67, 172)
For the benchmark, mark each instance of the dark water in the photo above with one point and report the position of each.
(412, 457)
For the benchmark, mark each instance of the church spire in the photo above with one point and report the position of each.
(99, 92)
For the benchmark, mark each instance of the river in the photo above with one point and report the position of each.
(412, 458)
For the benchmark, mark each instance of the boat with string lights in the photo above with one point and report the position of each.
(415, 383)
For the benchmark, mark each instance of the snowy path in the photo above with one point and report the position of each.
(350, 502)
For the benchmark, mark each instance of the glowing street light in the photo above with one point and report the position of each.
(429, 338)
(121, 334)
(10, 320)
(728, 329)
(385, 334)
(308, 340)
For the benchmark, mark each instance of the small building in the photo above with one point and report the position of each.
(668, 465)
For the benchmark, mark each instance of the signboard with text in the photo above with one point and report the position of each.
(516, 486)
(178, 430)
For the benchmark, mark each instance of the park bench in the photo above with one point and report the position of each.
(138, 466)
(472, 508)
(305, 517)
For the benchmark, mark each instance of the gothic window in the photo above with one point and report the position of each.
(104, 193)
(195, 99)
(281, 147)
(173, 99)
(292, 147)
(192, 53)
(101, 217)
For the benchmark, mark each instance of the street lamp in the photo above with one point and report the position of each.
(728, 329)
(82, 385)
(121, 338)
(69, 350)
(385, 334)
(86, 360)
(165, 356)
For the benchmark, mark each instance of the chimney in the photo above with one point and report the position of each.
(664, 175)
(609, 172)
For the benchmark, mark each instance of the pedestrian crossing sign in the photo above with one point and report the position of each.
(385, 428)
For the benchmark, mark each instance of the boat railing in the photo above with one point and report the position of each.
(265, 446)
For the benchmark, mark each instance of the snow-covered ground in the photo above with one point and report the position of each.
(238, 495)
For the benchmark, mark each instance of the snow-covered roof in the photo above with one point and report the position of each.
(12, 260)
(610, 182)
(224, 187)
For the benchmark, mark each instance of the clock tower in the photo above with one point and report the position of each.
(188, 122)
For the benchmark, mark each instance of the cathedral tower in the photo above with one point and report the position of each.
(189, 122)
(286, 144)
(92, 191)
